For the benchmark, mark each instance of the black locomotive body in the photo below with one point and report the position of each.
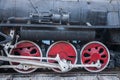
(63, 23)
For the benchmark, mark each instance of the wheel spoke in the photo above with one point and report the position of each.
(71, 58)
(104, 59)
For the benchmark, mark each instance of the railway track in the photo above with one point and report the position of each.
(72, 75)
(105, 75)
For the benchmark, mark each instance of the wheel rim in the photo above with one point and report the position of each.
(65, 50)
(92, 52)
(25, 48)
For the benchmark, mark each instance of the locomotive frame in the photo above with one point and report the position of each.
(78, 34)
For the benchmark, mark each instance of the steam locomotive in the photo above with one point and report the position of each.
(59, 34)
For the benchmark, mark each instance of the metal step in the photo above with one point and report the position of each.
(67, 76)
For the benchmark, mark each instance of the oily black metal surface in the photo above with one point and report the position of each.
(58, 25)
(60, 15)
(57, 35)
(105, 12)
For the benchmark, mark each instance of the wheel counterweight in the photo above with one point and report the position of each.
(25, 48)
(92, 52)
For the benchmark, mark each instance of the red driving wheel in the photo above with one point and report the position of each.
(65, 50)
(25, 48)
(92, 52)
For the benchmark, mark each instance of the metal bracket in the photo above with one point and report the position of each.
(8, 45)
